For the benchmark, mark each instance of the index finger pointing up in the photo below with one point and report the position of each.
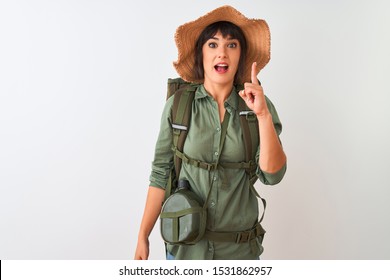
(253, 74)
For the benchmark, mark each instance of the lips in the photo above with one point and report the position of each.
(221, 68)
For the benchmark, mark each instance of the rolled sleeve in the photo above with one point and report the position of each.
(271, 178)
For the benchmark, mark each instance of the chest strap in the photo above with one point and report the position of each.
(212, 166)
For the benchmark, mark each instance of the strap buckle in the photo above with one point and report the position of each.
(249, 115)
(244, 236)
(211, 166)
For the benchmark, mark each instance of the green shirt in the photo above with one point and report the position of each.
(233, 206)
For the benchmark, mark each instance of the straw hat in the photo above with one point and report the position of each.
(256, 32)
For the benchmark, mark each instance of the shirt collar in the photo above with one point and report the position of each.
(232, 100)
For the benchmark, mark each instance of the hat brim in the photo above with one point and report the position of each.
(256, 32)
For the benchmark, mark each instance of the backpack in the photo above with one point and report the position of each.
(184, 93)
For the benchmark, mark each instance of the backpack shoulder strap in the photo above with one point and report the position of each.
(181, 115)
(184, 93)
(250, 131)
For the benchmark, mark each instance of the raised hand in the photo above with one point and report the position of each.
(253, 94)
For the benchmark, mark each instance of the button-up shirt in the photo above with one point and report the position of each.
(232, 205)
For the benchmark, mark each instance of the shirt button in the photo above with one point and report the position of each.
(216, 153)
(210, 249)
(212, 204)
(215, 178)
(218, 129)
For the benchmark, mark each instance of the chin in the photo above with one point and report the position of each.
(222, 80)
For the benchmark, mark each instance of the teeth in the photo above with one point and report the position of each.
(222, 64)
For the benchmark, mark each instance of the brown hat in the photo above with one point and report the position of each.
(256, 33)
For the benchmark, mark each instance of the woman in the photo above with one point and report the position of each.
(219, 50)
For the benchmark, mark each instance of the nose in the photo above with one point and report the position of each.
(222, 52)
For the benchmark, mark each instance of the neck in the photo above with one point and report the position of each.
(220, 92)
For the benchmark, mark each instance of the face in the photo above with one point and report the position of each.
(220, 59)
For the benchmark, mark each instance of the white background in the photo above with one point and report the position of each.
(82, 87)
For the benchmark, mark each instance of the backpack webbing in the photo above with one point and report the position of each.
(250, 131)
(181, 114)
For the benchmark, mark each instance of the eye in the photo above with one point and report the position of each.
(232, 45)
(212, 45)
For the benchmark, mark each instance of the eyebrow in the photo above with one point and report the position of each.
(228, 38)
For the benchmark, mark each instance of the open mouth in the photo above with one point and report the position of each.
(221, 67)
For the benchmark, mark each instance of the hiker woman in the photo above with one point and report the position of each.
(219, 51)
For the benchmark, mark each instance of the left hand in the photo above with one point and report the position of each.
(253, 94)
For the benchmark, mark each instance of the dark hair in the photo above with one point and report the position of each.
(227, 29)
